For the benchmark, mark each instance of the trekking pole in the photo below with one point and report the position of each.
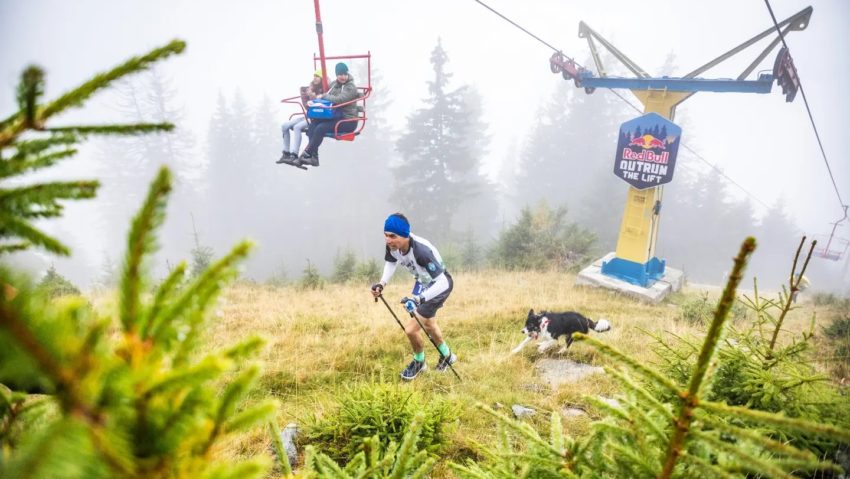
(412, 315)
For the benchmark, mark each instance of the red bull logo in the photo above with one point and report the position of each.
(647, 142)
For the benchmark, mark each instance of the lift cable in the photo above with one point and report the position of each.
(714, 167)
(811, 118)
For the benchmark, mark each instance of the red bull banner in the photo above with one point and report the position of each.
(646, 151)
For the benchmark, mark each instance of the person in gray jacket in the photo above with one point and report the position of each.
(341, 90)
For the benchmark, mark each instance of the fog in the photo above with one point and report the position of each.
(243, 57)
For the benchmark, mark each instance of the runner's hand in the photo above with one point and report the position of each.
(377, 289)
(410, 303)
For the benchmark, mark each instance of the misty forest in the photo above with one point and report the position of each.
(231, 325)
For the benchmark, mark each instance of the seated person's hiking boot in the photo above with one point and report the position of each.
(445, 361)
(284, 157)
(413, 369)
(308, 158)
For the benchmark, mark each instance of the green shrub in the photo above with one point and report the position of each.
(542, 239)
(383, 410)
(311, 278)
(699, 310)
(376, 460)
(54, 285)
(345, 265)
(753, 370)
(829, 299)
(838, 329)
(368, 270)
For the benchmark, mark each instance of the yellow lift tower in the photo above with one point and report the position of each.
(634, 267)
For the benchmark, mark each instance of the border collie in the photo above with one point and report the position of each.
(548, 327)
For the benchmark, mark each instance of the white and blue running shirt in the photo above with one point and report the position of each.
(424, 263)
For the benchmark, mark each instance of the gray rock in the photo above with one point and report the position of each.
(287, 436)
(574, 412)
(522, 411)
(562, 371)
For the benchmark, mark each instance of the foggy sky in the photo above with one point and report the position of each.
(265, 48)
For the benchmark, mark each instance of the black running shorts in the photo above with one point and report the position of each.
(429, 308)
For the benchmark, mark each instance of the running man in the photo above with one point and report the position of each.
(433, 286)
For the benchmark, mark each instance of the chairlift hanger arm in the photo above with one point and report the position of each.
(584, 31)
(797, 22)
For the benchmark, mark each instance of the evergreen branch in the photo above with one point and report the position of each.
(46, 193)
(12, 247)
(35, 146)
(727, 300)
(246, 348)
(690, 399)
(132, 129)
(801, 425)
(78, 95)
(280, 452)
(183, 421)
(163, 293)
(254, 468)
(17, 166)
(705, 465)
(67, 385)
(13, 126)
(229, 398)
(249, 417)
(797, 465)
(748, 461)
(104, 445)
(633, 460)
(556, 432)
(424, 468)
(209, 281)
(646, 396)
(142, 242)
(408, 445)
(763, 441)
(628, 361)
(30, 89)
(794, 283)
(476, 474)
(209, 368)
(524, 429)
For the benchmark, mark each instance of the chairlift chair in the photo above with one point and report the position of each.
(830, 247)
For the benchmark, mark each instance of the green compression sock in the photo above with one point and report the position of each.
(419, 356)
(444, 349)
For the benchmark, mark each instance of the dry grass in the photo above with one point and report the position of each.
(321, 341)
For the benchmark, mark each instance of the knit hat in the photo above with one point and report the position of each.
(341, 69)
(318, 73)
(396, 224)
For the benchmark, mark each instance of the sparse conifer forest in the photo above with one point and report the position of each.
(198, 375)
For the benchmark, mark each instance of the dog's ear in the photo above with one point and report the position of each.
(531, 312)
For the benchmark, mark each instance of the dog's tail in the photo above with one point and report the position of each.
(601, 326)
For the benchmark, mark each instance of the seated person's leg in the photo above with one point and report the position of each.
(347, 127)
(318, 135)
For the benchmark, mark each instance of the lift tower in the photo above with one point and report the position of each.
(634, 267)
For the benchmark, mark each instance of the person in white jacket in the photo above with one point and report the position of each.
(433, 286)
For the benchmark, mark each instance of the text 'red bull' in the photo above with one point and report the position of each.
(646, 155)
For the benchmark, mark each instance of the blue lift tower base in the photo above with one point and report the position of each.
(664, 283)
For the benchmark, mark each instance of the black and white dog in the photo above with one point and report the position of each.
(548, 327)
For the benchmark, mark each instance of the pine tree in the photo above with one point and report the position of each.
(440, 150)
(20, 154)
(129, 397)
(662, 429)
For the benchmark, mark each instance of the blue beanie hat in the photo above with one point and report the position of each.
(341, 69)
(396, 224)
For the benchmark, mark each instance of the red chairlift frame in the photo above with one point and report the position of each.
(365, 92)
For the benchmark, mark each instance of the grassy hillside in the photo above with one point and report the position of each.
(320, 342)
